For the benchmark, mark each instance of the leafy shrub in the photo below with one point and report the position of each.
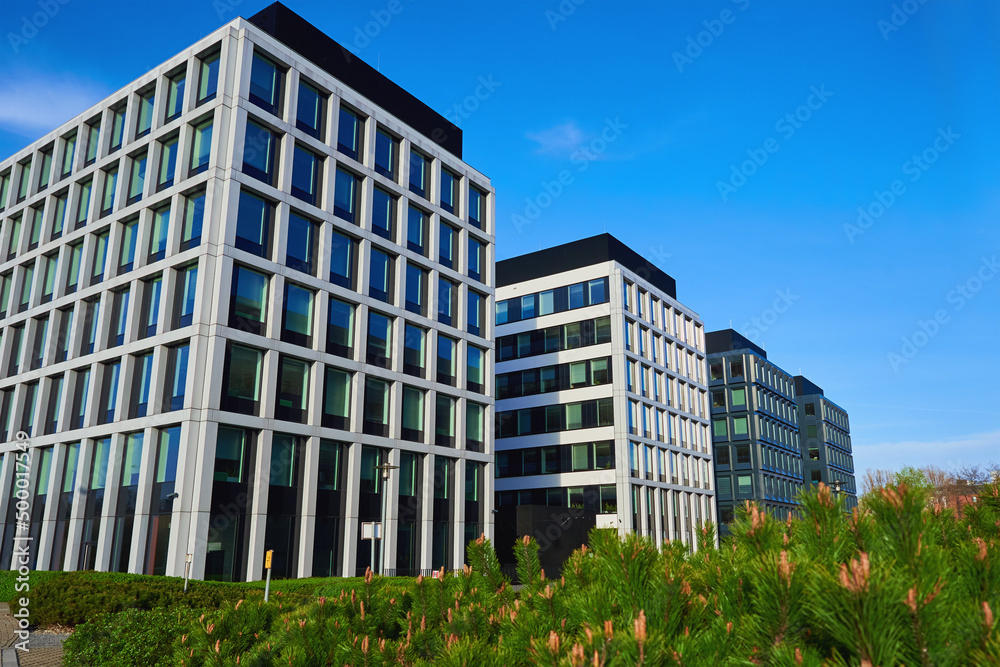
(129, 638)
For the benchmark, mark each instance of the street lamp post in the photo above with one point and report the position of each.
(385, 468)
(836, 488)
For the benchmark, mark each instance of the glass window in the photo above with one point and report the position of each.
(175, 95)
(14, 241)
(260, 150)
(168, 163)
(69, 151)
(187, 282)
(379, 340)
(340, 328)
(253, 224)
(310, 111)
(100, 256)
(448, 247)
(301, 249)
(417, 223)
(419, 173)
(447, 353)
(90, 318)
(740, 427)
(343, 253)
(49, 280)
(177, 372)
(241, 386)
(44, 169)
(416, 289)
(414, 350)
(265, 84)
(307, 173)
(380, 279)
(447, 301)
(109, 392)
(474, 426)
(5, 281)
(142, 377)
(110, 186)
(349, 134)
(739, 397)
(201, 147)
(59, 216)
(144, 120)
(475, 375)
(476, 313)
(444, 424)
(386, 154)
(151, 306)
(477, 207)
(384, 214)
(158, 236)
(293, 389)
(329, 465)
(345, 196)
(83, 203)
(337, 399)
(449, 190)
(117, 127)
(194, 216)
(231, 455)
(130, 235)
(93, 141)
(119, 316)
(413, 414)
(208, 77)
(376, 410)
(35, 232)
(137, 179)
(297, 325)
(477, 252)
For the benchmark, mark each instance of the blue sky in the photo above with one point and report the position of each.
(731, 143)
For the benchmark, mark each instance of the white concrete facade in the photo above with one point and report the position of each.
(660, 481)
(100, 403)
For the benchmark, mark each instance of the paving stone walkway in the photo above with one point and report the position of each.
(45, 650)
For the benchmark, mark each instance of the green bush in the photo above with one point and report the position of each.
(72, 598)
(895, 583)
(130, 638)
(8, 581)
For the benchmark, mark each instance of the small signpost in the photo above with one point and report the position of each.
(267, 566)
(371, 530)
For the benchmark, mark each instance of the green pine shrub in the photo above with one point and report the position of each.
(897, 582)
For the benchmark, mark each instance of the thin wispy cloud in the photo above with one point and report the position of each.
(37, 102)
(558, 141)
(945, 453)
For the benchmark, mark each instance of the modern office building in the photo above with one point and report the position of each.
(229, 291)
(602, 401)
(754, 428)
(825, 434)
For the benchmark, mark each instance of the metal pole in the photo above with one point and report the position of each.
(385, 468)
(187, 571)
(267, 564)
